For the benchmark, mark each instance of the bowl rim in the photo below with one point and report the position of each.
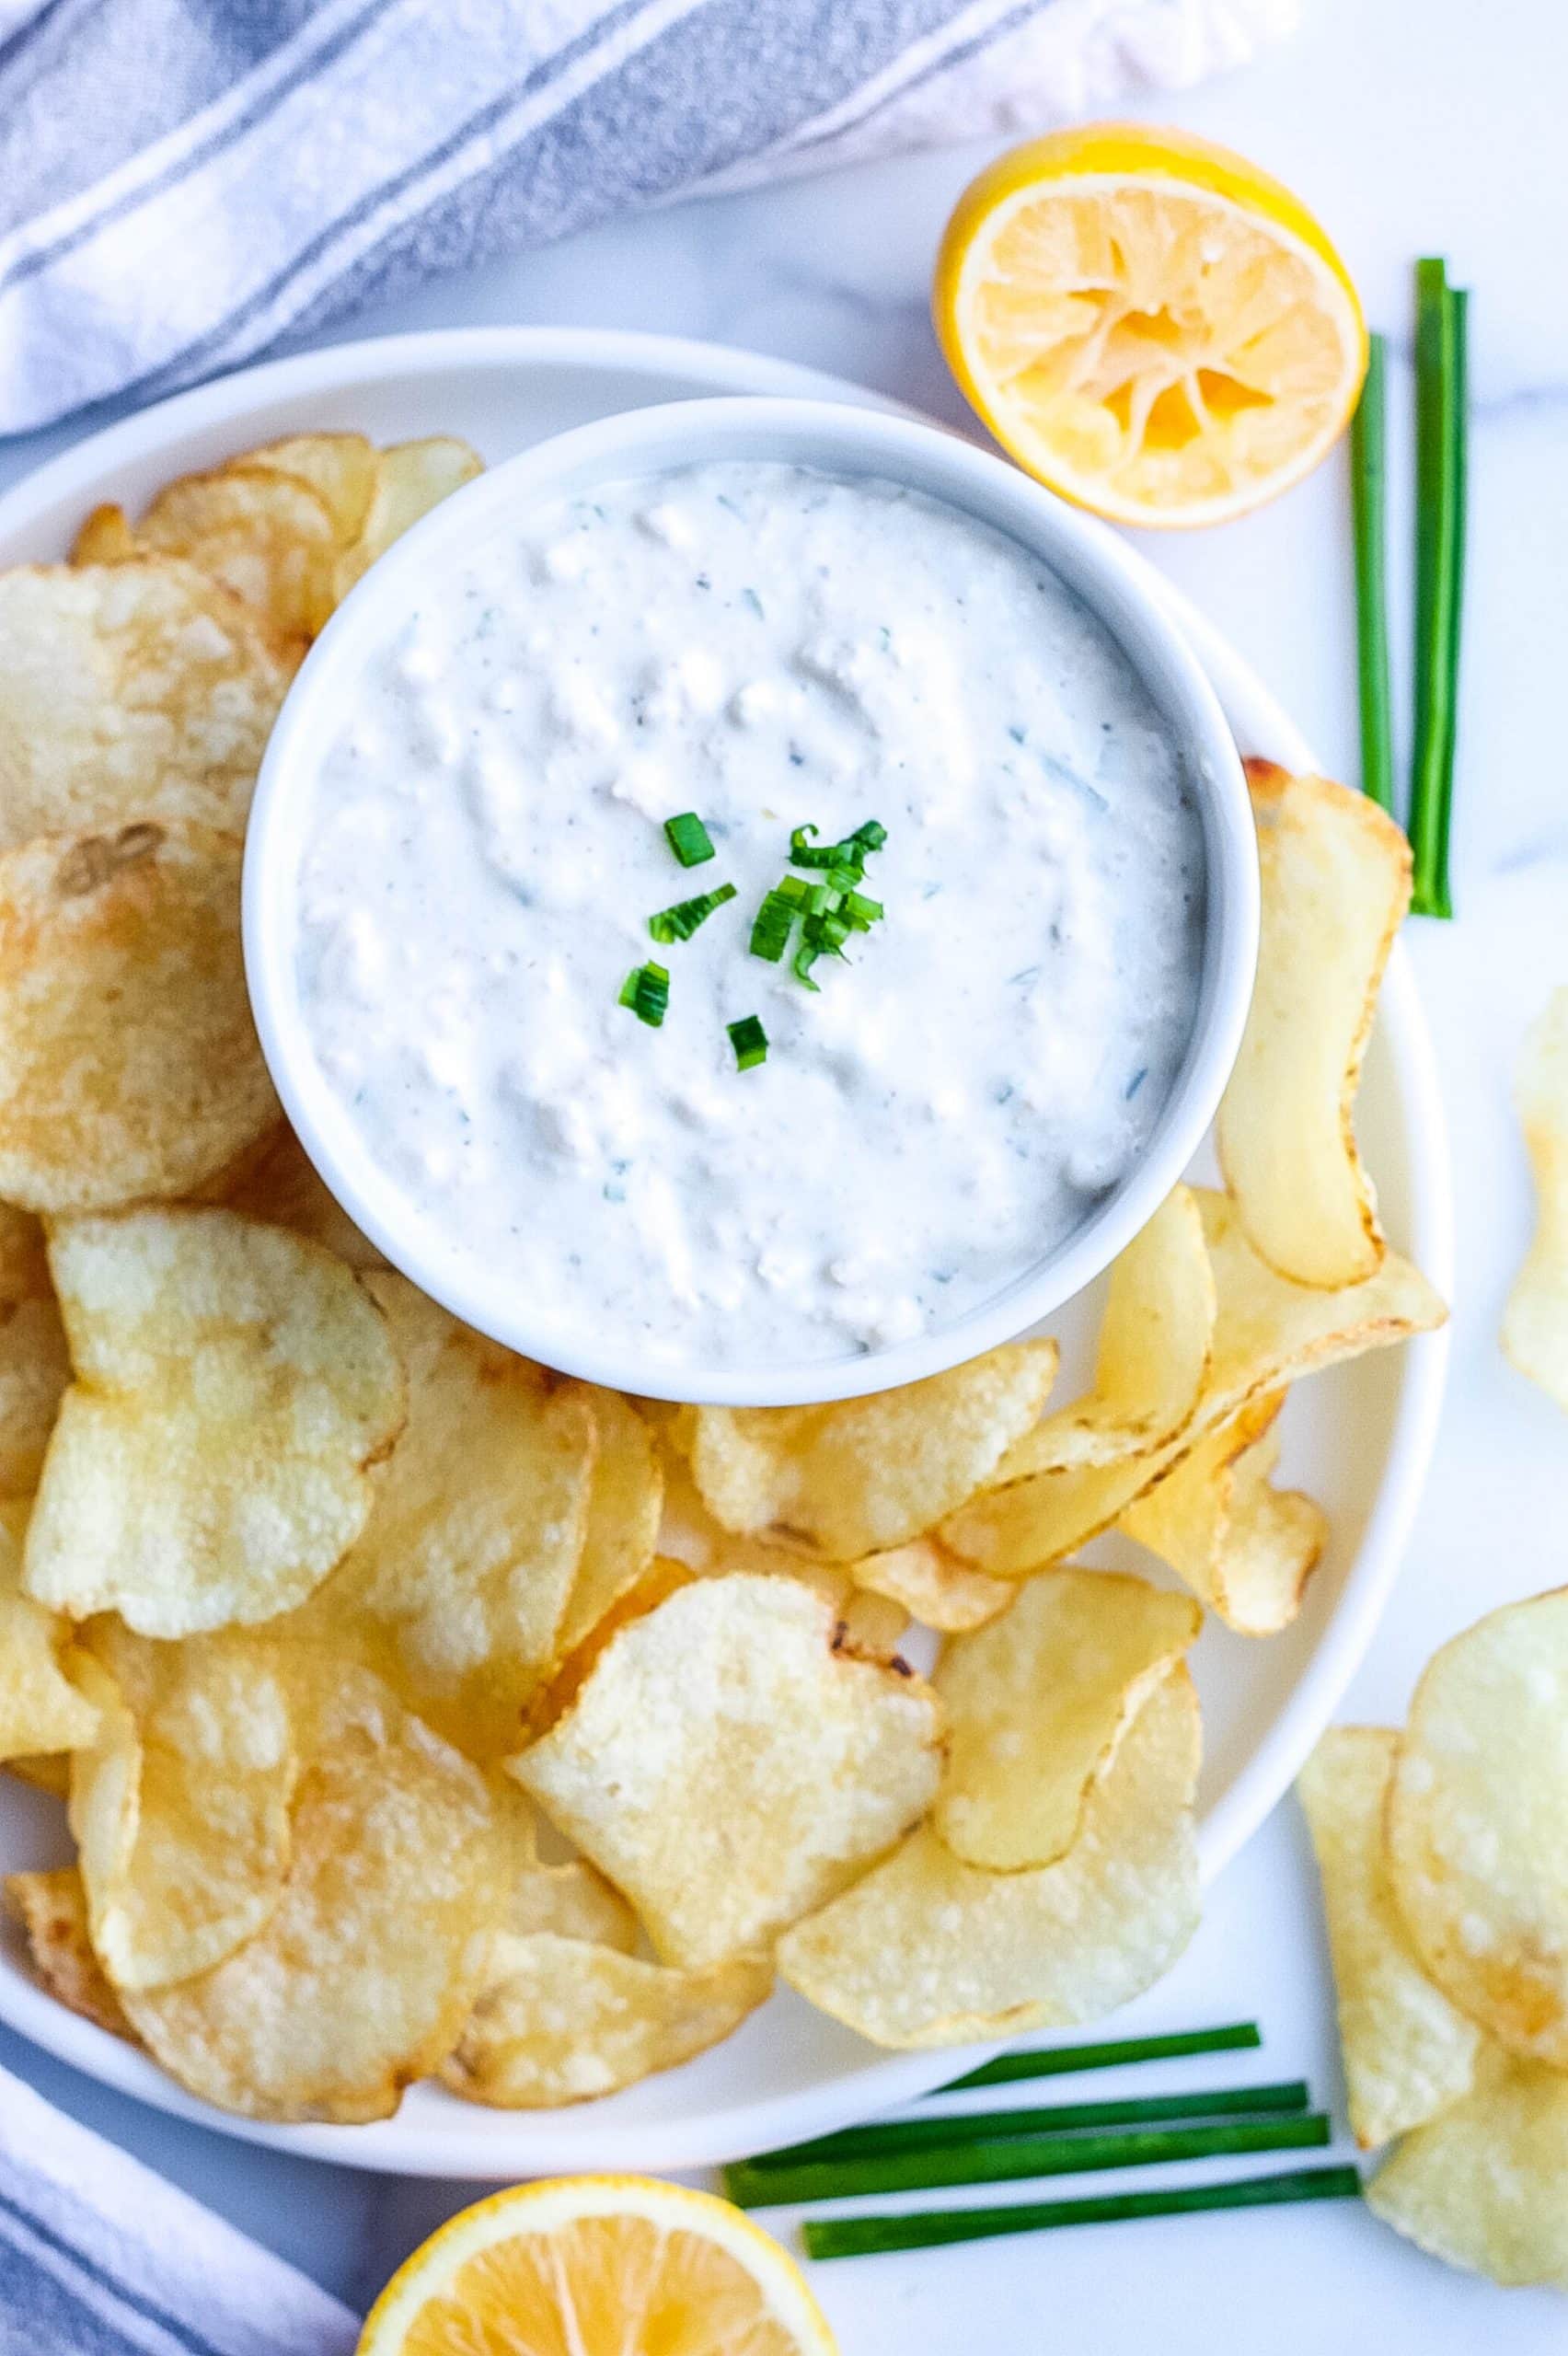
(1093, 562)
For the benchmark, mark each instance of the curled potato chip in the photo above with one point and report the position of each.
(368, 1966)
(478, 1530)
(277, 1182)
(35, 1365)
(232, 1385)
(411, 479)
(339, 467)
(267, 535)
(129, 1064)
(1335, 872)
(41, 1709)
(625, 1503)
(1268, 1332)
(926, 1950)
(1408, 2052)
(130, 694)
(566, 1681)
(933, 1586)
(1247, 1548)
(560, 2021)
(1475, 1824)
(1535, 1324)
(1484, 2184)
(46, 1771)
(728, 1766)
(1038, 1702)
(866, 1474)
(104, 537)
(202, 1756)
(52, 1911)
(1155, 1340)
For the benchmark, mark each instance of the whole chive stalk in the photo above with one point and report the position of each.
(681, 922)
(749, 1040)
(924, 2134)
(1441, 396)
(646, 990)
(1370, 499)
(1015, 2157)
(689, 838)
(932, 2228)
(1062, 2060)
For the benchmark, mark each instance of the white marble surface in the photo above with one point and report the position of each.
(1412, 125)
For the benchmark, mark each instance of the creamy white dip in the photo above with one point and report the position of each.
(766, 646)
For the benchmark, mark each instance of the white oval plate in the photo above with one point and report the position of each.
(1360, 1438)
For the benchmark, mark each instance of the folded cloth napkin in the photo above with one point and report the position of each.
(100, 2258)
(183, 182)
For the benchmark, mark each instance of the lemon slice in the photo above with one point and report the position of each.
(598, 2266)
(1150, 325)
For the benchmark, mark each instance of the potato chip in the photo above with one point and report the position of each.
(1484, 2184)
(276, 1180)
(1335, 872)
(866, 1474)
(105, 539)
(1155, 1340)
(52, 1911)
(625, 1504)
(728, 1767)
(1268, 1332)
(411, 479)
(926, 1950)
(266, 534)
(566, 1681)
(35, 1368)
(1476, 1851)
(41, 1709)
(233, 1386)
(933, 1586)
(1535, 1324)
(1247, 1548)
(339, 467)
(46, 1771)
(477, 1530)
(571, 1901)
(130, 694)
(1408, 2053)
(203, 1754)
(872, 1625)
(129, 1064)
(562, 2022)
(369, 1963)
(1038, 1703)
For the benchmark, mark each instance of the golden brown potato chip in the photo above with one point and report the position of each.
(728, 1767)
(1484, 2184)
(926, 1950)
(411, 479)
(1407, 2053)
(625, 1504)
(663, 1577)
(1247, 1548)
(1335, 872)
(130, 694)
(1038, 1703)
(129, 1064)
(866, 1474)
(1475, 1824)
(339, 467)
(35, 1367)
(41, 1709)
(479, 1524)
(46, 1771)
(277, 1182)
(1155, 1340)
(933, 1586)
(202, 1753)
(266, 534)
(368, 1964)
(1268, 1332)
(233, 1386)
(105, 539)
(560, 2021)
(52, 1911)
(1535, 1324)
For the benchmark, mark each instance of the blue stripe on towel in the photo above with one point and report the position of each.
(37, 2300)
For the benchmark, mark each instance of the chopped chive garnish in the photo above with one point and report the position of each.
(681, 922)
(771, 924)
(848, 855)
(801, 852)
(873, 833)
(689, 838)
(805, 959)
(861, 913)
(1062, 2060)
(1368, 458)
(749, 1040)
(646, 990)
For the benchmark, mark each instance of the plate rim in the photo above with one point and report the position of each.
(398, 2145)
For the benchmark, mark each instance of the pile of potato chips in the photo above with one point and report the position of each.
(1445, 1873)
(420, 1713)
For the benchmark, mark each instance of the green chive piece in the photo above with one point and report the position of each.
(1441, 401)
(873, 833)
(805, 958)
(749, 1040)
(860, 912)
(1062, 2060)
(926, 2134)
(772, 923)
(681, 922)
(1011, 2158)
(851, 854)
(1369, 496)
(932, 2228)
(646, 990)
(689, 838)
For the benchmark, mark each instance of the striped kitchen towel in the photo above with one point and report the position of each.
(100, 2258)
(184, 182)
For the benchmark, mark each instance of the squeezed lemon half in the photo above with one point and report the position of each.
(1150, 325)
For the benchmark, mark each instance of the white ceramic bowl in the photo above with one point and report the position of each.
(829, 437)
